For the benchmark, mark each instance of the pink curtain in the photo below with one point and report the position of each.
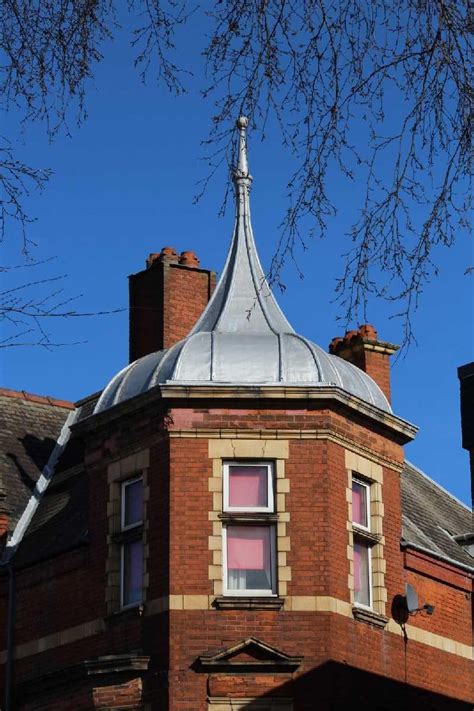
(361, 574)
(359, 504)
(357, 555)
(247, 486)
(248, 548)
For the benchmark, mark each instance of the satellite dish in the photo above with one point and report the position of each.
(412, 598)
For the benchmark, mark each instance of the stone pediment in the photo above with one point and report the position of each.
(249, 655)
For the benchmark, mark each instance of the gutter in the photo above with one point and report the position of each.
(438, 556)
(10, 638)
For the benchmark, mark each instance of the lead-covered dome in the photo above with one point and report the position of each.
(242, 337)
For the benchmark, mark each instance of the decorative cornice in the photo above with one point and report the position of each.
(404, 429)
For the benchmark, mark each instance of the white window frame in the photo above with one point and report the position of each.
(360, 539)
(366, 486)
(270, 508)
(123, 486)
(248, 592)
(123, 529)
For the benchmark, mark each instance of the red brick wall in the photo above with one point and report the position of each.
(377, 365)
(186, 293)
(71, 588)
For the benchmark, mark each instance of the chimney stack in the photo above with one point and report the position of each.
(362, 348)
(166, 300)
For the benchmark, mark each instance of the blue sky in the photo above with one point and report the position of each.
(123, 187)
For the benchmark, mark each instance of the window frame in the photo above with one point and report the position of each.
(359, 533)
(362, 542)
(250, 592)
(250, 516)
(129, 534)
(270, 466)
(123, 485)
(366, 486)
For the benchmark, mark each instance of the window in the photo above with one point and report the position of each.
(362, 542)
(249, 550)
(131, 534)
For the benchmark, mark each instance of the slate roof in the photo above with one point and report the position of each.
(60, 522)
(29, 428)
(432, 516)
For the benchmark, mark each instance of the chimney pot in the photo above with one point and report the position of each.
(335, 343)
(153, 259)
(368, 331)
(169, 254)
(189, 259)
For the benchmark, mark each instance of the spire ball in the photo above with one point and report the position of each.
(242, 122)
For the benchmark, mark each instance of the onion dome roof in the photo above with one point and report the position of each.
(242, 337)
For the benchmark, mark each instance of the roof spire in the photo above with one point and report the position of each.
(242, 336)
(242, 170)
(242, 301)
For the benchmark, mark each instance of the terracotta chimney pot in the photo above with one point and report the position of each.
(189, 259)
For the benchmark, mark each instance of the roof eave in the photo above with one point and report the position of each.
(404, 430)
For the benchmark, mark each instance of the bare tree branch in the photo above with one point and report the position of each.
(380, 92)
(332, 72)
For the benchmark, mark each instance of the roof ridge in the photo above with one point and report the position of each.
(438, 486)
(39, 399)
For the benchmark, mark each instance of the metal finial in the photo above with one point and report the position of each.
(242, 164)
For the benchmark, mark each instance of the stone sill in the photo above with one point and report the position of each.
(248, 603)
(125, 614)
(370, 617)
(367, 536)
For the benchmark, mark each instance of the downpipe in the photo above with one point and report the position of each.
(8, 704)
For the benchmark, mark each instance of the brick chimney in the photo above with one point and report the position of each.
(166, 300)
(363, 348)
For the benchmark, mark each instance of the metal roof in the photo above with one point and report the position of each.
(242, 336)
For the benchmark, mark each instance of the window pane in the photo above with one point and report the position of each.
(249, 557)
(133, 503)
(132, 572)
(248, 486)
(361, 574)
(359, 503)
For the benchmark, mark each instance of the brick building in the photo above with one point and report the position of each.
(231, 524)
